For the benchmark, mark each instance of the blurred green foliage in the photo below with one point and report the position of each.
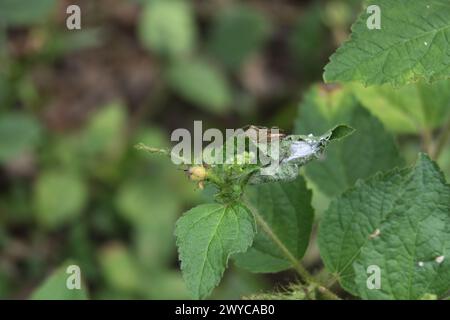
(21, 12)
(168, 27)
(74, 103)
(369, 150)
(59, 197)
(190, 78)
(54, 287)
(236, 33)
(19, 132)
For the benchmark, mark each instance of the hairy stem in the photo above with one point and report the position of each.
(163, 152)
(300, 269)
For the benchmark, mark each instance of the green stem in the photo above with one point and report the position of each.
(302, 272)
(141, 146)
(163, 152)
(214, 178)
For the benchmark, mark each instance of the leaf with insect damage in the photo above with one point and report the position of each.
(294, 152)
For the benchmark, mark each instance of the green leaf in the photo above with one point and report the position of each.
(24, 12)
(410, 109)
(18, 133)
(412, 44)
(368, 150)
(55, 287)
(238, 32)
(340, 132)
(201, 84)
(59, 197)
(100, 146)
(286, 207)
(119, 268)
(168, 27)
(104, 133)
(398, 221)
(207, 236)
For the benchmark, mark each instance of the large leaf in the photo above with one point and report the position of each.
(55, 287)
(368, 150)
(286, 207)
(167, 27)
(398, 221)
(207, 236)
(201, 84)
(409, 109)
(412, 44)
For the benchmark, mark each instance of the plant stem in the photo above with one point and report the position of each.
(442, 140)
(163, 152)
(214, 178)
(303, 273)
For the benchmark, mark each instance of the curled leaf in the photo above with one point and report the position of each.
(296, 151)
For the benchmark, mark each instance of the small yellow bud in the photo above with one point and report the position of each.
(197, 173)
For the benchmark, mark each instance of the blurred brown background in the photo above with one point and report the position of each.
(73, 103)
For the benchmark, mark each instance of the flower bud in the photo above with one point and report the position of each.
(197, 173)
